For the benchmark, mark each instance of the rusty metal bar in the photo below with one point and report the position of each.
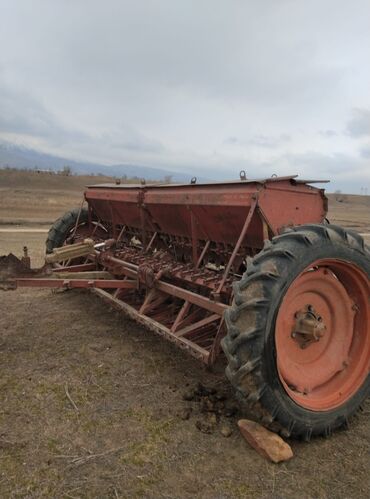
(151, 242)
(183, 311)
(113, 222)
(120, 234)
(266, 222)
(238, 244)
(194, 239)
(198, 325)
(96, 225)
(76, 268)
(216, 346)
(124, 265)
(195, 315)
(192, 348)
(185, 308)
(202, 301)
(78, 218)
(152, 300)
(204, 251)
(24, 282)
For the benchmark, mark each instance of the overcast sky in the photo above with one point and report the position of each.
(205, 86)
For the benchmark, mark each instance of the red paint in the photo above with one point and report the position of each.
(327, 372)
(179, 248)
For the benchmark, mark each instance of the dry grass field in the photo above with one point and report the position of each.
(38, 198)
(352, 212)
(91, 404)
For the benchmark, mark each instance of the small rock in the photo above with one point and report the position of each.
(204, 391)
(220, 407)
(99, 347)
(221, 396)
(230, 410)
(226, 431)
(207, 405)
(212, 419)
(188, 395)
(204, 427)
(266, 443)
(185, 413)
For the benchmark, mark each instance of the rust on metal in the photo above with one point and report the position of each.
(321, 335)
(309, 327)
(168, 254)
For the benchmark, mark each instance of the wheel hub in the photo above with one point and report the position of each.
(308, 328)
(321, 335)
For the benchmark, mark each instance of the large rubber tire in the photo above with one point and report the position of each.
(61, 228)
(250, 345)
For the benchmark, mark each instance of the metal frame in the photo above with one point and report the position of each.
(178, 284)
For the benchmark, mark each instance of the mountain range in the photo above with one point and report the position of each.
(14, 156)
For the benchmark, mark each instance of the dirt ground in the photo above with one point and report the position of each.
(44, 195)
(92, 407)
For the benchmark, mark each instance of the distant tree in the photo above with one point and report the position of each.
(167, 179)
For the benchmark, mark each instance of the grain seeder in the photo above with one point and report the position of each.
(251, 268)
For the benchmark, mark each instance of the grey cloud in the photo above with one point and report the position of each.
(365, 152)
(344, 171)
(21, 113)
(328, 133)
(164, 82)
(129, 139)
(359, 124)
(314, 162)
(347, 172)
(263, 141)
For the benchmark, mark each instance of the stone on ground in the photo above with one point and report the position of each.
(265, 442)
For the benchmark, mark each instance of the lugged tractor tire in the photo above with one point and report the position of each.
(330, 267)
(61, 228)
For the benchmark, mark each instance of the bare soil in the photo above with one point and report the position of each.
(92, 406)
(350, 211)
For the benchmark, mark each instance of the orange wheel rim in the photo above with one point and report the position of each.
(322, 335)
